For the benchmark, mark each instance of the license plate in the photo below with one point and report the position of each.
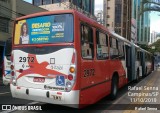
(39, 79)
(55, 97)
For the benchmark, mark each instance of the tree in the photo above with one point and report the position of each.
(150, 49)
(156, 45)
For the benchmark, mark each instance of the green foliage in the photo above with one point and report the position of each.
(157, 46)
(150, 49)
(146, 47)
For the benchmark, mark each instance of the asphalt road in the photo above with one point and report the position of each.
(122, 104)
(6, 98)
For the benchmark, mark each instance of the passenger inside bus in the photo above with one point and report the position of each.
(85, 42)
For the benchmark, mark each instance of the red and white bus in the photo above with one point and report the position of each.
(66, 58)
(7, 62)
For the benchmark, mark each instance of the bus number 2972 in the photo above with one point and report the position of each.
(89, 72)
(26, 59)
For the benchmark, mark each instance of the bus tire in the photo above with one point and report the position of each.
(114, 87)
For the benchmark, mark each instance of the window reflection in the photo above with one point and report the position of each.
(45, 2)
(37, 2)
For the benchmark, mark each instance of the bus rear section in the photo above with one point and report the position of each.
(44, 60)
(7, 62)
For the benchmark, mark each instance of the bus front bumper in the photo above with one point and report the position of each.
(6, 81)
(70, 99)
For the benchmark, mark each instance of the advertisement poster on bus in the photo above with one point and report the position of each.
(46, 29)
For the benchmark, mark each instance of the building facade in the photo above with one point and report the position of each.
(85, 6)
(118, 17)
(99, 16)
(154, 37)
(143, 22)
(110, 14)
(9, 10)
(123, 17)
(134, 21)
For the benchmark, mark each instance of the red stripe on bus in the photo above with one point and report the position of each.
(39, 68)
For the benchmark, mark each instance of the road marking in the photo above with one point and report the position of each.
(32, 103)
(5, 93)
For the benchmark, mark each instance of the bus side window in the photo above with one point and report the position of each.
(110, 41)
(138, 57)
(121, 49)
(113, 49)
(87, 47)
(102, 45)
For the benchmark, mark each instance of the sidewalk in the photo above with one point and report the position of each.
(134, 99)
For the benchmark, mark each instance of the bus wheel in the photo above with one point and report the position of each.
(137, 76)
(114, 87)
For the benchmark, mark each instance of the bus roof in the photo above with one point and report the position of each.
(45, 13)
(94, 23)
(120, 37)
(127, 41)
(82, 16)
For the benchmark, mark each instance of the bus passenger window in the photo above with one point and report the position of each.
(121, 49)
(102, 45)
(113, 49)
(110, 41)
(138, 55)
(87, 42)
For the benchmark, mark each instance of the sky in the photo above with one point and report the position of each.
(98, 4)
(155, 21)
(30, 1)
(155, 17)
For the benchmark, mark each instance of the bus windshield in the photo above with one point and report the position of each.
(8, 47)
(44, 30)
